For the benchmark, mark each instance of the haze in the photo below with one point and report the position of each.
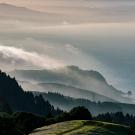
(91, 34)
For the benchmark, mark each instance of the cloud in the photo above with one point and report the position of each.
(17, 57)
(63, 12)
(71, 49)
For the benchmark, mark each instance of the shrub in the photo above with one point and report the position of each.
(27, 122)
(80, 113)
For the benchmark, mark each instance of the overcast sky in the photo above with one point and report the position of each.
(92, 34)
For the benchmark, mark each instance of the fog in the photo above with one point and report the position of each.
(100, 36)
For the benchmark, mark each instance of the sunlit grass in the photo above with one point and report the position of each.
(83, 128)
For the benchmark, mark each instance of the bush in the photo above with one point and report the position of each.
(63, 117)
(80, 113)
(77, 113)
(7, 127)
(27, 122)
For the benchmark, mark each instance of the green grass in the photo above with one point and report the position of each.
(82, 127)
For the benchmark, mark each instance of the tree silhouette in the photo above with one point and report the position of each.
(20, 100)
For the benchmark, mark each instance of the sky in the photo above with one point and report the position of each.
(91, 34)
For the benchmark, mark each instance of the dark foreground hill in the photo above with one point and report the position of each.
(4, 106)
(19, 100)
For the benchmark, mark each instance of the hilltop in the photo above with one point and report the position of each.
(83, 128)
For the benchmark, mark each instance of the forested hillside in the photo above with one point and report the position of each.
(66, 103)
(19, 100)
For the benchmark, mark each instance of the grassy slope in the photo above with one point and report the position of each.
(82, 128)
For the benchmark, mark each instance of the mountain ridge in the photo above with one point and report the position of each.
(66, 103)
(72, 91)
(75, 77)
(11, 7)
(13, 12)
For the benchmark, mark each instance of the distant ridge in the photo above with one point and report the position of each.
(10, 7)
(75, 77)
(12, 12)
(66, 103)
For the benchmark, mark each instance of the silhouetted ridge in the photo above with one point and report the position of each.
(91, 73)
(75, 77)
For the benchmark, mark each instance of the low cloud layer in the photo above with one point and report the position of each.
(16, 57)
